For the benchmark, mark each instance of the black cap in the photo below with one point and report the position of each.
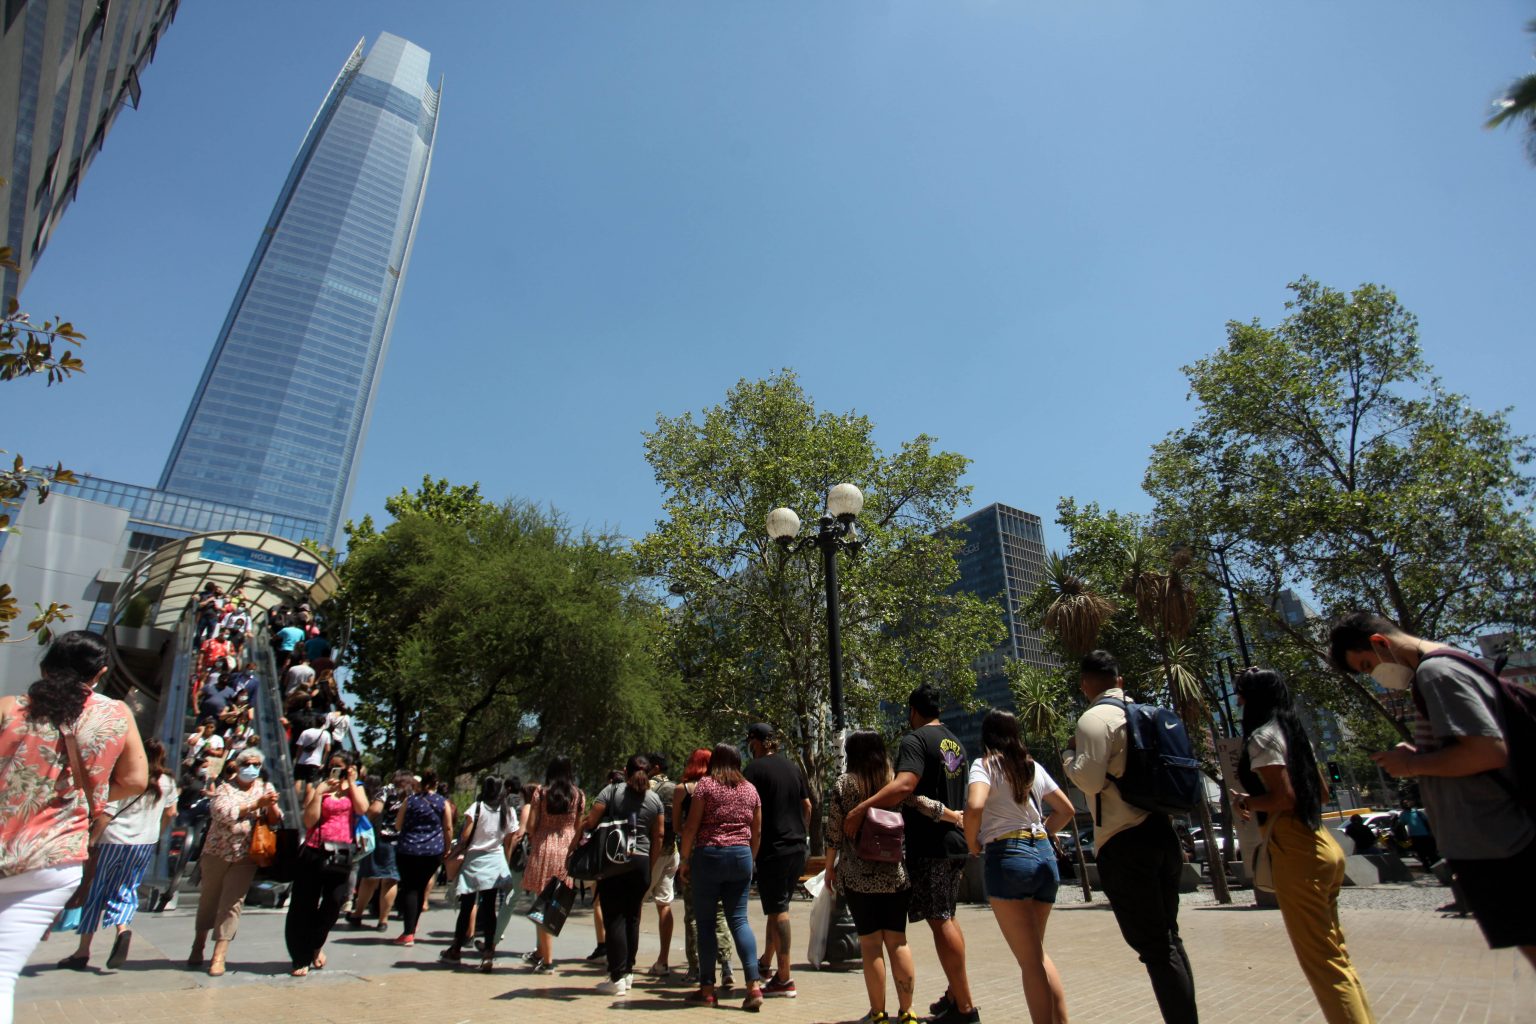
(762, 732)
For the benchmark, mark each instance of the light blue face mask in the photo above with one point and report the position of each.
(250, 772)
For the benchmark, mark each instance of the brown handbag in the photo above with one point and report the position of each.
(82, 781)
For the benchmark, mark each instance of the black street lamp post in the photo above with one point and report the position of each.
(836, 533)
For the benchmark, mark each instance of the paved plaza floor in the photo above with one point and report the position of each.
(1419, 966)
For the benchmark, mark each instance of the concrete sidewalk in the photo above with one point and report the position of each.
(1419, 967)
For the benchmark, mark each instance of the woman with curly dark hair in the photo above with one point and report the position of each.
(64, 752)
(1284, 789)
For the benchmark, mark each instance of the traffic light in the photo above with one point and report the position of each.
(1333, 773)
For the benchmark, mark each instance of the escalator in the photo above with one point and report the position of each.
(154, 662)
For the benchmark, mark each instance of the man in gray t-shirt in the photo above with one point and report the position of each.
(1461, 761)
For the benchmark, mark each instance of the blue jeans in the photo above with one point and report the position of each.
(721, 876)
(1021, 869)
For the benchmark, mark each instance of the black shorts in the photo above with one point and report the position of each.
(778, 876)
(1488, 886)
(878, 911)
(935, 888)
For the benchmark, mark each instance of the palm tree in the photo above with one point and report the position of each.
(1077, 613)
(1166, 606)
(1517, 105)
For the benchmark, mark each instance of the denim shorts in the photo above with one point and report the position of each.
(1021, 869)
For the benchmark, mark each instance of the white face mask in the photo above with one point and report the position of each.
(1392, 675)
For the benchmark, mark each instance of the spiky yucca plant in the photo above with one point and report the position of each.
(1077, 612)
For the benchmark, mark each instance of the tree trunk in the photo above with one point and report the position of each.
(1214, 855)
(1077, 833)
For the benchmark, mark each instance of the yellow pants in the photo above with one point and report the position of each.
(1309, 869)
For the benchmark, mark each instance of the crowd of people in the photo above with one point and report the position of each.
(898, 834)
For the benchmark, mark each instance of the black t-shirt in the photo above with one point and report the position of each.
(780, 784)
(937, 758)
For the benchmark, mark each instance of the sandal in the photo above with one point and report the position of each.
(299, 972)
(658, 970)
(701, 998)
(195, 958)
(216, 969)
(319, 962)
(119, 954)
(452, 954)
(488, 963)
(75, 963)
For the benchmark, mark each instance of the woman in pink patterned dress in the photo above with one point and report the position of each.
(45, 807)
(551, 826)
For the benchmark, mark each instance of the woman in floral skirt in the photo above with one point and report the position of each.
(557, 808)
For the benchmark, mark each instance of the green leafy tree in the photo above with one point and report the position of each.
(1326, 457)
(749, 634)
(28, 349)
(483, 633)
(1517, 106)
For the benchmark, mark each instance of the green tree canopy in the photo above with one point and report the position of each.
(750, 633)
(485, 632)
(1326, 457)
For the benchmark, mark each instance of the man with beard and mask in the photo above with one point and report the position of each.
(1461, 761)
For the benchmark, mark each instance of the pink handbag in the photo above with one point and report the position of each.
(881, 836)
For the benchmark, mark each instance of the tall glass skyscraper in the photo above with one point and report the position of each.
(1003, 559)
(279, 417)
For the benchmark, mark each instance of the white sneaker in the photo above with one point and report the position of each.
(629, 981)
(614, 988)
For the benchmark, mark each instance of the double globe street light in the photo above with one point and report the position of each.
(836, 532)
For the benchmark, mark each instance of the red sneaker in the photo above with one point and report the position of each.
(775, 987)
(404, 940)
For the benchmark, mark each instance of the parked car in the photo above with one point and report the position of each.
(1197, 844)
(1068, 841)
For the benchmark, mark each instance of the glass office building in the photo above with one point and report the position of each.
(67, 68)
(279, 417)
(1003, 558)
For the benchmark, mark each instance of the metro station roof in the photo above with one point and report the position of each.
(268, 571)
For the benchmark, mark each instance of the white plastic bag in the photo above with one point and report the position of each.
(816, 883)
(823, 910)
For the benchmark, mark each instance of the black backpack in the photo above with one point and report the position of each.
(1517, 714)
(1161, 773)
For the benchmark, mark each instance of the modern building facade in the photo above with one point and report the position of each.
(279, 416)
(67, 67)
(270, 441)
(1003, 558)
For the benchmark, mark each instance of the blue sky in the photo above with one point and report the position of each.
(1005, 224)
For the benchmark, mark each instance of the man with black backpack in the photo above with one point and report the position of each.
(1138, 853)
(1472, 753)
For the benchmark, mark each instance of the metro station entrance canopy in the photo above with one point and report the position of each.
(164, 586)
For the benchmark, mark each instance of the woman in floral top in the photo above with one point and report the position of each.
(226, 862)
(877, 892)
(45, 808)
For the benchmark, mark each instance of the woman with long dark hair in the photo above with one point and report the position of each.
(682, 802)
(322, 877)
(1284, 789)
(1012, 811)
(486, 836)
(622, 894)
(424, 822)
(720, 841)
(129, 835)
(557, 807)
(877, 892)
(64, 752)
